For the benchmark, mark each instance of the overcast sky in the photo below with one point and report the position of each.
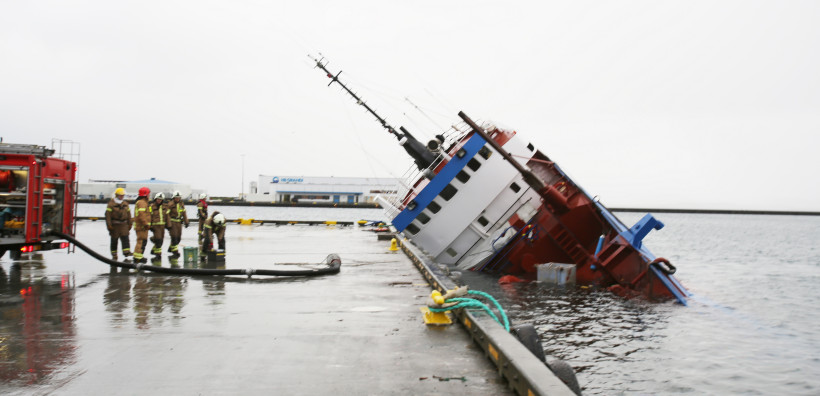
(680, 104)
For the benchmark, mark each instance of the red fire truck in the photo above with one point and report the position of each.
(37, 195)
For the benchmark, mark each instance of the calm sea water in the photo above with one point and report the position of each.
(752, 327)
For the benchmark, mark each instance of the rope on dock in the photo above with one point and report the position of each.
(450, 301)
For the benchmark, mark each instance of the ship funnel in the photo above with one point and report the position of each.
(421, 156)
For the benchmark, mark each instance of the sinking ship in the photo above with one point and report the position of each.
(483, 198)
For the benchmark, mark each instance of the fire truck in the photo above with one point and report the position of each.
(38, 194)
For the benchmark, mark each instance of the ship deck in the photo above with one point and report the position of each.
(72, 326)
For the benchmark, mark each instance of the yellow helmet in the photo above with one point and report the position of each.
(119, 191)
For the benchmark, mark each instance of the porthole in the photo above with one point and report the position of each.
(515, 187)
(434, 207)
(485, 152)
(448, 192)
(412, 228)
(423, 218)
(451, 252)
(483, 221)
(473, 164)
(463, 176)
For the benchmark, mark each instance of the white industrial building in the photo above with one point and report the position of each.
(104, 189)
(305, 189)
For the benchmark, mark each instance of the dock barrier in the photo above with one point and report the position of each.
(524, 372)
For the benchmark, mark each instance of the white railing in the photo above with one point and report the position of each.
(412, 175)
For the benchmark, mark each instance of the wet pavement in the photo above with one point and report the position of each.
(68, 325)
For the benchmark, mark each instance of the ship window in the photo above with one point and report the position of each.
(473, 164)
(423, 218)
(451, 252)
(412, 228)
(448, 192)
(530, 147)
(463, 176)
(434, 207)
(485, 152)
(483, 221)
(515, 187)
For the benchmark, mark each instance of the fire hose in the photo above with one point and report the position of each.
(333, 262)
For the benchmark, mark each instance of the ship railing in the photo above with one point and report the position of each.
(412, 175)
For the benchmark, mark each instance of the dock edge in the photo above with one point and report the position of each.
(524, 373)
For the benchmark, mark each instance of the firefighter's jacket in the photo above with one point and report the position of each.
(142, 218)
(202, 210)
(159, 214)
(176, 212)
(210, 230)
(117, 214)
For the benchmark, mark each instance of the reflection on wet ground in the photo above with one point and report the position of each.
(37, 329)
(151, 299)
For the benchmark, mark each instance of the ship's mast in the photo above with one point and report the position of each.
(421, 156)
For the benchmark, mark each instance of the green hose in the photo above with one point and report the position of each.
(473, 303)
(497, 306)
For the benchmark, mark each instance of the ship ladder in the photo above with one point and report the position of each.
(572, 247)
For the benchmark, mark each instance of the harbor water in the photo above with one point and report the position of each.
(751, 326)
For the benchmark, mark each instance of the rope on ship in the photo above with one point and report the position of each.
(334, 264)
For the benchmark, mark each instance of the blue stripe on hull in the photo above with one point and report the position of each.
(441, 180)
(666, 279)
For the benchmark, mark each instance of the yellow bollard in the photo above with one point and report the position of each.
(435, 318)
(394, 245)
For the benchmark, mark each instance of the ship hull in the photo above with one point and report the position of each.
(473, 211)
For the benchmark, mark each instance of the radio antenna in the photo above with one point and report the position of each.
(421, 156)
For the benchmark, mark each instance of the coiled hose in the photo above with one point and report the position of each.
(334, 265)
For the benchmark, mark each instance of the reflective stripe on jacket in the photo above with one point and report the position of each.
(142, 219)
(176, 212)
(158, 214)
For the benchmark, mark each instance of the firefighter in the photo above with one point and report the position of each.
(159, 221)
(202, 215)
(142, 222)
(177, 217)
(118, 220)
(214, 225)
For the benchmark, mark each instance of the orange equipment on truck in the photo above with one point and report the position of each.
(37, 196)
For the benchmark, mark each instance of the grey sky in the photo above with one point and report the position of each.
(689, 104)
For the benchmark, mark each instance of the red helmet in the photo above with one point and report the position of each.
(144, 192)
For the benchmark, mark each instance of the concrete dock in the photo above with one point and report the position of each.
(71, 326)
